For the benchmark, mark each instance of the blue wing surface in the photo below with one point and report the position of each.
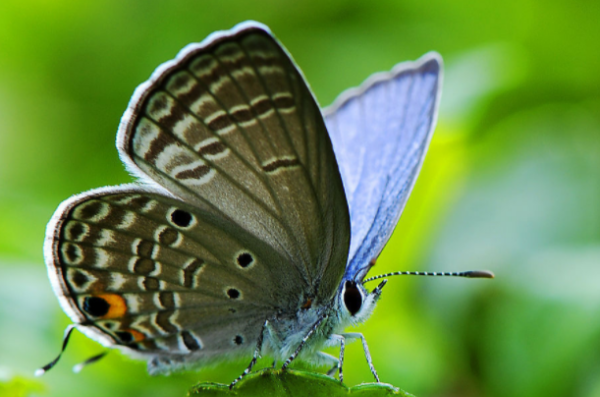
(380, 133)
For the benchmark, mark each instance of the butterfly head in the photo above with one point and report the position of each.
(356, 302)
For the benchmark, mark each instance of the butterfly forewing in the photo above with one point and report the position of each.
(232, 128)
(380, 133)
(160, 277)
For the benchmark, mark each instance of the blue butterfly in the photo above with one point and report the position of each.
(257, 216)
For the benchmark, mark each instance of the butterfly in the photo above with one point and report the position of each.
(256, 216)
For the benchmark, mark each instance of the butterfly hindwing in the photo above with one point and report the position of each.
(380, 133)
(150, 273)
(232, 128)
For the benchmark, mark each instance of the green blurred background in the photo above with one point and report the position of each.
(511, 182)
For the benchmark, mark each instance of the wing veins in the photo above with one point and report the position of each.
(275, 197)
(286, 135)
(219, 169)
(258, 174)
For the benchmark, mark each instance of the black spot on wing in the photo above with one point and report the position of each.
(189, 341)
(95, 306)
(124, 336)
(233, 293)
(181, 218)
(245, 259)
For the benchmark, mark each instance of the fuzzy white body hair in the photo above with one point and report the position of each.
(283, 337)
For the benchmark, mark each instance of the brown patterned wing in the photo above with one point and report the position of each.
(162, 279)
(231, 127)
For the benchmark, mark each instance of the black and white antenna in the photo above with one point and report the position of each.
(467, 274)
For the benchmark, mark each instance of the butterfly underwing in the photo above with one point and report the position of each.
(256, 215)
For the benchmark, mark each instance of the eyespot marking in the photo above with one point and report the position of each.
(105, 306)
(233, 293)
(245, 259)
(124, 336)
(181, 218)
(130, 335)
(238, 340)
(96, 306)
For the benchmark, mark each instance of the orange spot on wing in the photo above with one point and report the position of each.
(137, 335)
(118, 306)
(307, 304)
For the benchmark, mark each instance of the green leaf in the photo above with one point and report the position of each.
(294, 383)
(19, 386)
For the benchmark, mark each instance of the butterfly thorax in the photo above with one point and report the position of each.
(352, 305)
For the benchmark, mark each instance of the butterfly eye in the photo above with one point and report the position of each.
(352, 297)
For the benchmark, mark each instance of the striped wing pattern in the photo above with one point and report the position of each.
(235, 223)
(140, 270)
(232, 128)
(380, 133)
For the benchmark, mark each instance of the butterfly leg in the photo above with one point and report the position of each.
(254, 357)
(301, 345)
(342, 341)
(356, 335)
(329, 359)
